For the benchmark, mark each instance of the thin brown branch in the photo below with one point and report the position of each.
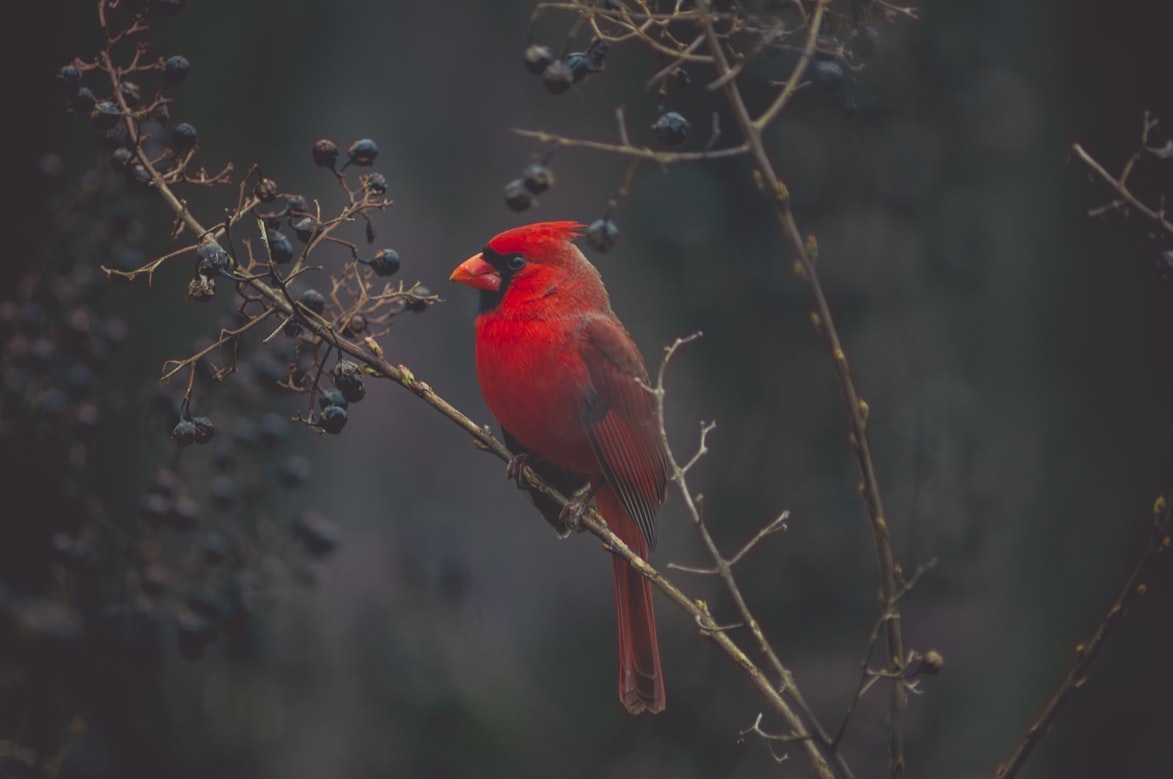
(1087, 651)
(626, 150)
(1121, 188)
(812, 746)
(857, 420)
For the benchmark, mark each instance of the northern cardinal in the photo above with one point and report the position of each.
(569, 387)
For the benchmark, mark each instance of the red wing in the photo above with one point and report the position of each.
(623, 424)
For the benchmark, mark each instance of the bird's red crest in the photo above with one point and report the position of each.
(540, 234)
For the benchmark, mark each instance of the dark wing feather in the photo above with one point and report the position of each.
(623, 424)
(565, 481)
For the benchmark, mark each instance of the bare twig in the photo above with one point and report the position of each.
(1087, 651)
(1120, 186)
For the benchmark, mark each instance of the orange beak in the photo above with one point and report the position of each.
(477, 273)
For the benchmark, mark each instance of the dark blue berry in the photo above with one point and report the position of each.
(517, 195)
(304, 228)
(176, 70)
(602, 235)
(829, 75)
(557, 77)
(317, 534)
(363, 152)
(384, 263)
(418, 305)
(82, 100)
(70, 76)
(294, 471)
(313, 300)
(331, 398)
(184, 433)
(216, 548)
(184, 137)
(537, 177)
(205, 430)
(377, 183)
(538, 58)
(280, 248)
(332, 419)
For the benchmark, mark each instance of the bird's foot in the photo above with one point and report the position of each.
(515, 467)
(576, 508)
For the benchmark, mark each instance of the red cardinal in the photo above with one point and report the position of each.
(569, 387)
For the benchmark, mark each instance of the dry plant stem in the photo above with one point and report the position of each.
(1121, 188)
(724, 569)
(1086, 652)
(375, 365)
(626, 150)
(889, 582)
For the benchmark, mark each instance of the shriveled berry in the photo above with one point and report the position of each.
(266, 190)
(292, 328)
(211, 259)
(317, 534)
(184, 137)
(304, 228)
(105, 115)
(538, 58)
(363, 152)
(517, 195)
(681, 79)
(671, 128)
(602, 235)
(205, 430)
(313, 300)
(176, 69)
(201, 289)
(356, 324)
(298, 204)
(537, 177)
(280, 249)
(377, 183)
(138, 175)
(184, 433)
(557, 77)
(325, 153)
(332, 419)
(348, 380)
(829, 75)
(384, 263)
(331, 398)
(161, 113)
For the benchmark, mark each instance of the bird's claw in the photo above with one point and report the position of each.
(516, 467)
(572, 513)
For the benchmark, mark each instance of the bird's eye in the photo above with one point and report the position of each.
(515, 262)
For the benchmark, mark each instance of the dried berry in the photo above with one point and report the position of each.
(325, 153)
(517, 195)
(418, 304)
(70, 76)
(363, 152)
(348, 380)
(537, 177)
(176, 69)
(579, 65)
(211, 259)
(266, 190)
(377, 183)
(671, 128)
(602, 235)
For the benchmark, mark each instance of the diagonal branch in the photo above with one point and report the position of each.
(1087, 651)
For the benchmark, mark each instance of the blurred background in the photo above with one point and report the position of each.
(1014, 352)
